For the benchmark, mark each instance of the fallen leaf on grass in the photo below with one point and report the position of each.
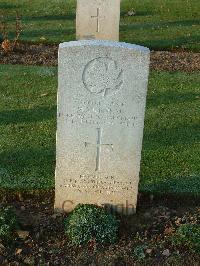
(18, 251)
(44, 94)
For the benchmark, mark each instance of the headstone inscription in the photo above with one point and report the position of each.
(101, 107)
(98, 19)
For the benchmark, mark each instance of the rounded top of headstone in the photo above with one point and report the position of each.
(105, 44)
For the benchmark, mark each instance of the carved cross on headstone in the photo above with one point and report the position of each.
(98, 17)
(98, 145)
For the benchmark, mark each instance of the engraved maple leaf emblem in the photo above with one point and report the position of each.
(102, 75)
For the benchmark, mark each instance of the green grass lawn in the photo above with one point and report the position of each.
(158, 24)
(170, 159)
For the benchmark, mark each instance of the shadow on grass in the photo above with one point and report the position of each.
(26, 158)
(4, 5)
(178, 23)
(26, 19)
(166, 43)
(70, 16)
(27, 115)
(31, 168)
(166, 137)
(171, 97)
(183, 185)
(138, 13)
(49, 32)
(174, 42)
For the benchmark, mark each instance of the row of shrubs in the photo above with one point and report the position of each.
(92, 223)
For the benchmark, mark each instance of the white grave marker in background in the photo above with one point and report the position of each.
(98, 19)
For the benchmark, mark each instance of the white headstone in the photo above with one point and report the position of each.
(98, 19)
(101, 107)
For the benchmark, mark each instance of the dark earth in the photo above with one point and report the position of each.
(42, 241)
(144, 238)
(41, 54)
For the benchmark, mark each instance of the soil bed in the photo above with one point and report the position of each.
(41, 54)
(43, 241)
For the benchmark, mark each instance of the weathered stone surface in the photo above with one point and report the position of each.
(101, 106)
(98, 19)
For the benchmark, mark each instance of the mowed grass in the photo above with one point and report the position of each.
(27, 126)
(170, 157)
(158, 24)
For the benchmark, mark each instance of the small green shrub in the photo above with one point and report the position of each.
(8, 223)
(89, 222)
(188, 235)
(139, 252)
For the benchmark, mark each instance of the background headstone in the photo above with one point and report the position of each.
(101, 107)
(98, 19)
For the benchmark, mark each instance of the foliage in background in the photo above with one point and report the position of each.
(8, 45)
(157, 24)
(8, 223)
(188, 235)
(91, 223)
